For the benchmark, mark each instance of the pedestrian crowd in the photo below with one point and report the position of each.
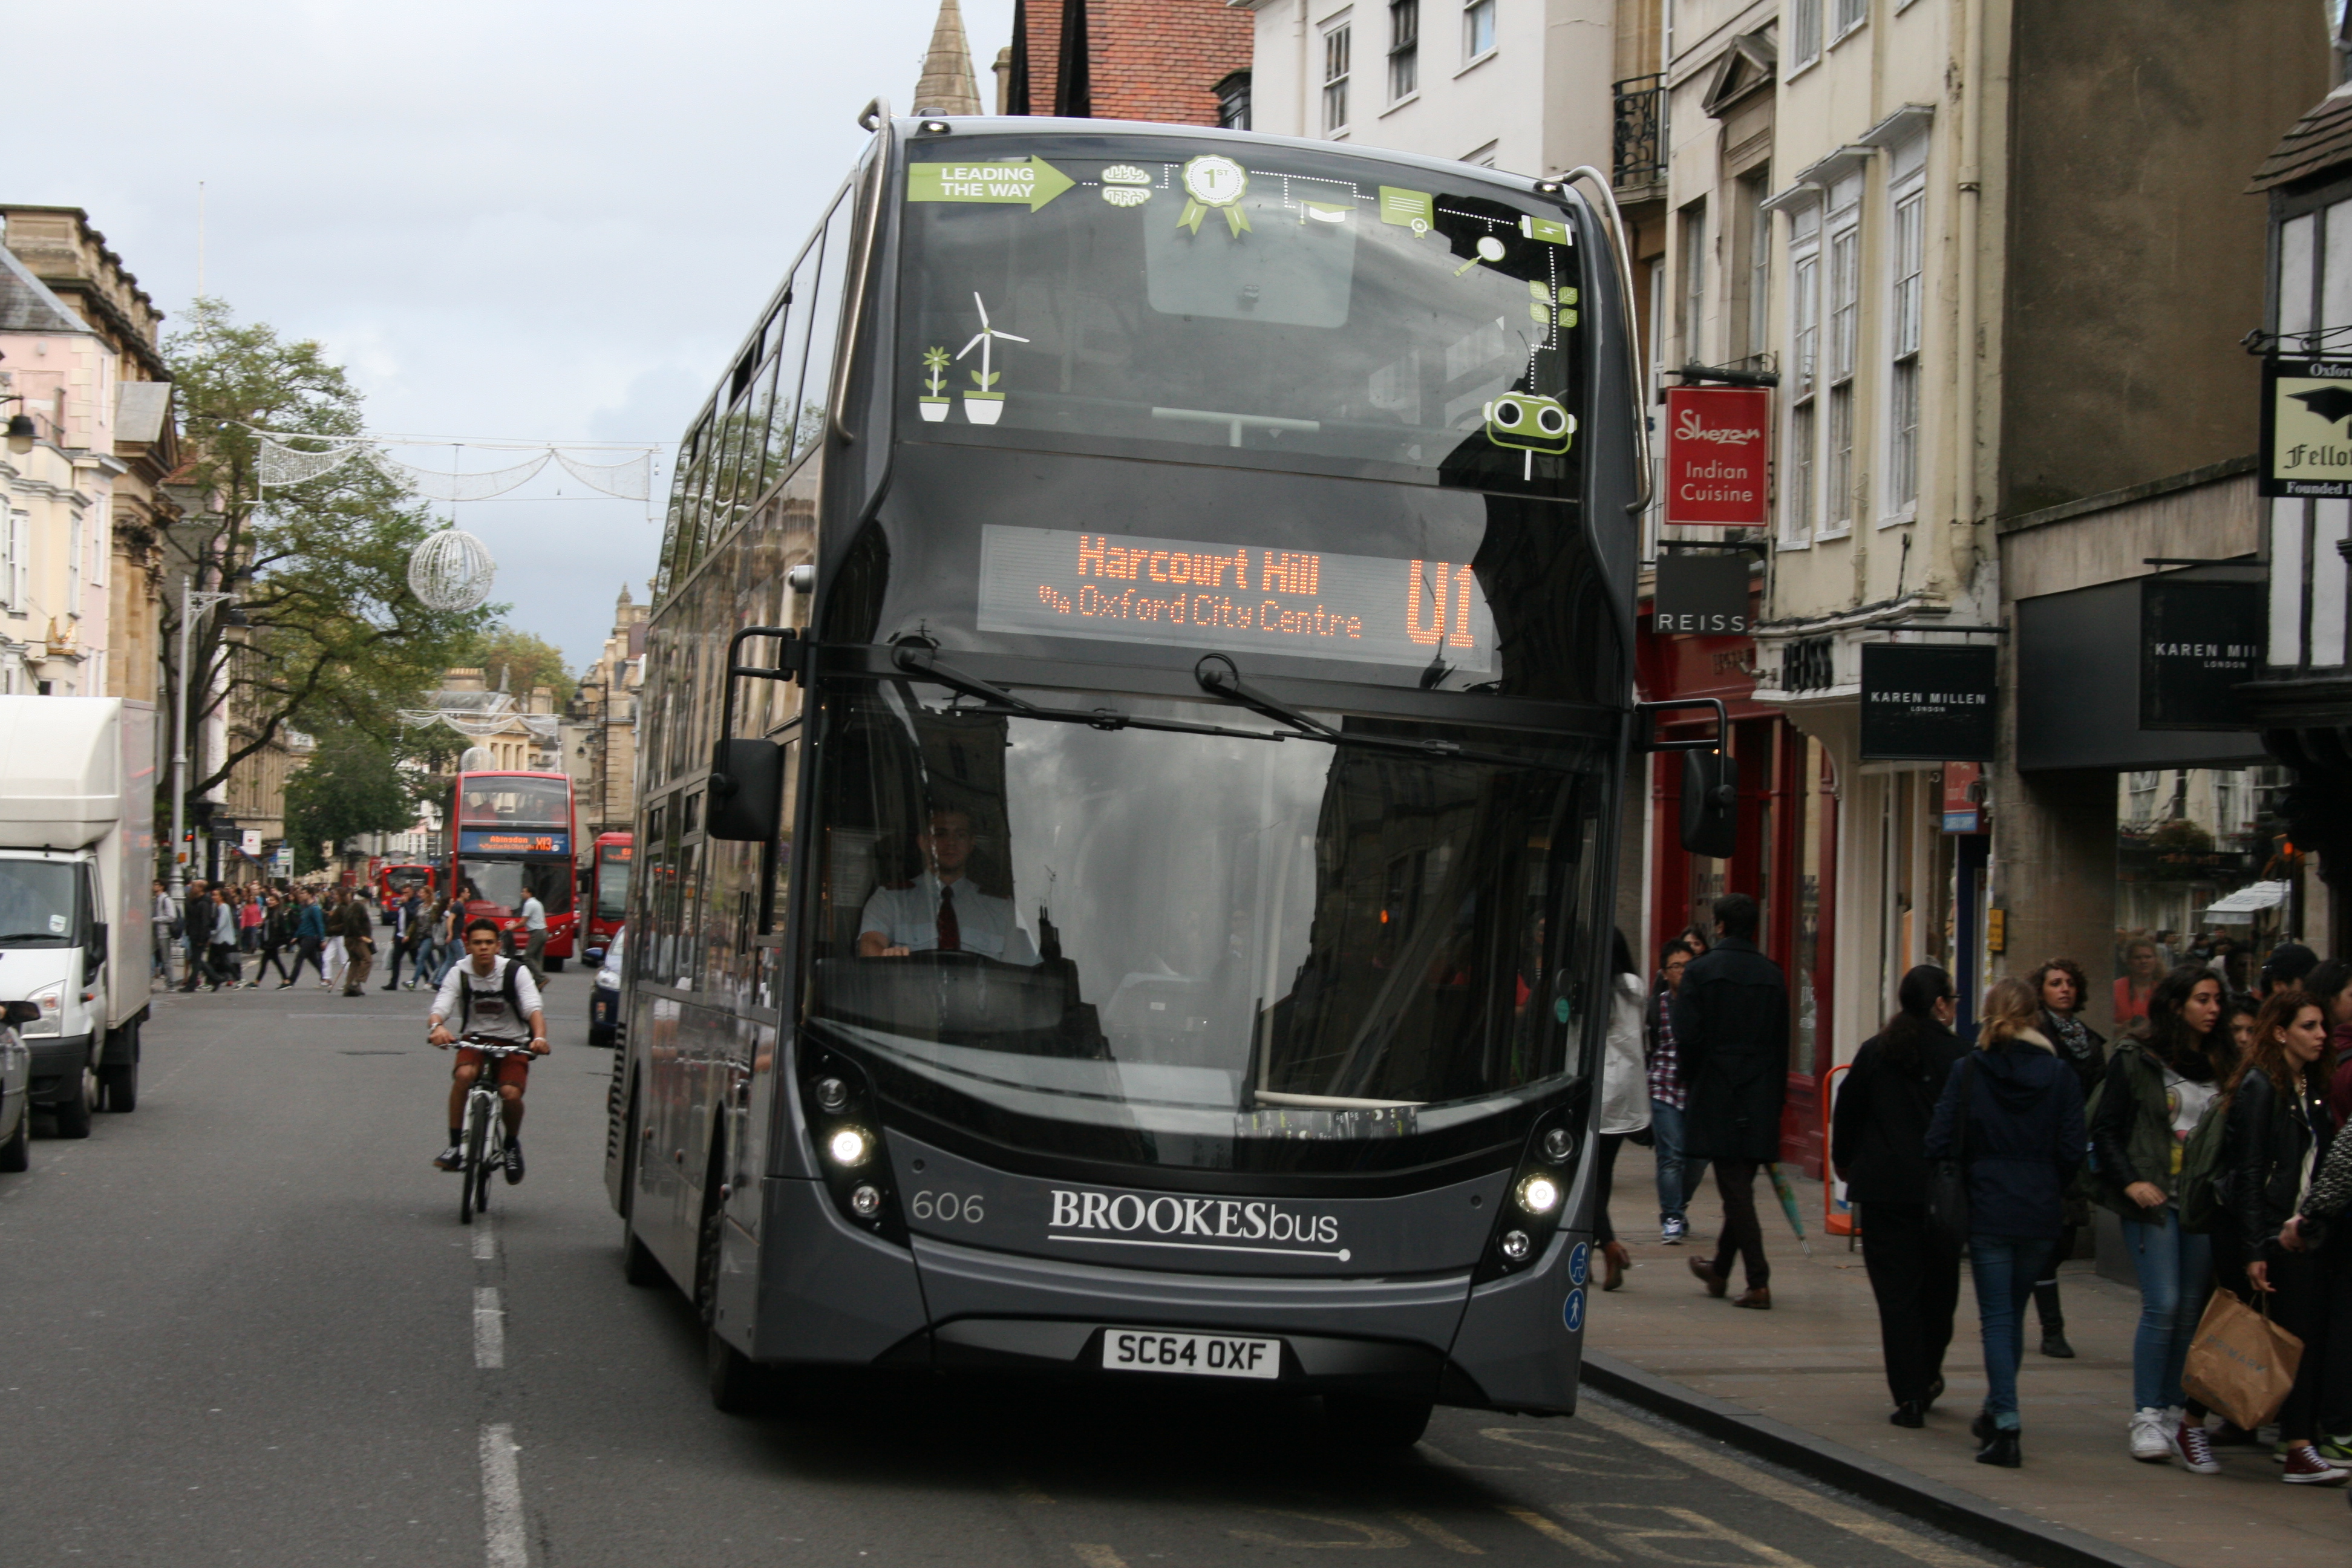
(337, 932)
(2207, 1128)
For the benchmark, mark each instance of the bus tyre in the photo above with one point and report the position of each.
(736, 1384)
(118, 1086)
(639, 1267)
(1366, 1423)
(73, 1111)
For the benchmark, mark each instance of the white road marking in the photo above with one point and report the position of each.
(504, 1543)
(486, 1240)
(489, 1329)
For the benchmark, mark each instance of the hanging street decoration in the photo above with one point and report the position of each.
(283, 466)
(451, 570)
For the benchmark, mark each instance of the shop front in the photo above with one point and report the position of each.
(1783, 857)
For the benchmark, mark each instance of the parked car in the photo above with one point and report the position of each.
(16, 1085)
(606, 1020)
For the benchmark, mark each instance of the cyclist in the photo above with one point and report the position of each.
(495, 997)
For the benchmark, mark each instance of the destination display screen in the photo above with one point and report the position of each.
(1234, 599)
(493, 841)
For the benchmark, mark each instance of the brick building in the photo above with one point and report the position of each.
(1127, 59)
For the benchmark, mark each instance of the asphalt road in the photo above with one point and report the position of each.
(242, 1325)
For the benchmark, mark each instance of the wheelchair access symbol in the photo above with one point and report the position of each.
(1579, 1260)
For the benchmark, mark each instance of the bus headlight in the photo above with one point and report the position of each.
(849, 1146)
(831, 1093)
(866, 1201)
(1514, 1246)
(1539, 1195)
(1558, 1144)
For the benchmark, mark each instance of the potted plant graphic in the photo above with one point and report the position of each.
(935, 401)
(983, 404)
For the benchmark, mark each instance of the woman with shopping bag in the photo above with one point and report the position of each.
(2012, 1118)
(2278, 1126)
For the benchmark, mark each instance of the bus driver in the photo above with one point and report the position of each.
(941, 910)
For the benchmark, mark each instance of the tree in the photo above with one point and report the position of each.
(335, 641)
(351, 786)
(528, 661)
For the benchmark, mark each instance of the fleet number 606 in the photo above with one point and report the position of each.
(948, 1206)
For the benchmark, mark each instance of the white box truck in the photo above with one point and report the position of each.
(76, 858)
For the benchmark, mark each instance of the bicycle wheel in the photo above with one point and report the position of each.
(494, 1157)
(477, 1132)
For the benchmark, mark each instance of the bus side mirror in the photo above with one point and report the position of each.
(746, 791)
(1710, 822)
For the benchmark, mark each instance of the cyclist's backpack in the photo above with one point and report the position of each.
(2200, 1188)
(506, 988)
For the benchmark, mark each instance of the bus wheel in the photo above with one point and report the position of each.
(1360, 1422)
(639, 1267)
(736, 1383)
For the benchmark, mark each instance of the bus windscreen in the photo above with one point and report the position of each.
(502, 883)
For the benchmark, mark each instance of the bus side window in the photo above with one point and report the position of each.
(825, 326)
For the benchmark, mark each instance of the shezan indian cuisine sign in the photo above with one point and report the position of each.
(502, 841)
(1718, 455)
(1237, 598)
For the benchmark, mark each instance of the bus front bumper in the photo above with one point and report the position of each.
(828, 1292)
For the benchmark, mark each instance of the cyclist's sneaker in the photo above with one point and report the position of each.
(514, 1164)
(451, 1159)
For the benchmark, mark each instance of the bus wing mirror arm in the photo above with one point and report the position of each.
(1710, 790)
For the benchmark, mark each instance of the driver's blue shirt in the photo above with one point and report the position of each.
(909, 918)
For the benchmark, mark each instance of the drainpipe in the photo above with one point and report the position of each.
(1969, 223)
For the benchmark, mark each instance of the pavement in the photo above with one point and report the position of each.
(1812, 1367)
(243, 1326)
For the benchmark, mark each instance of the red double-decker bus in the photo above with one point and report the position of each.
(511, 835)
(395, 882)
(604, 886)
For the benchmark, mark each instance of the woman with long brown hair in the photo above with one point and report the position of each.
(2277, 1106)
(2160, 1080)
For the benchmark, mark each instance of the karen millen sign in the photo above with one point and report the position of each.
(1928, 704)
(1717, 449)
(2197, 642)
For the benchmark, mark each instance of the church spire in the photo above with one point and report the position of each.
(947, 86)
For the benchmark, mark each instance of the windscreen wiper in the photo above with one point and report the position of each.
(923, 662)
(1221, 677)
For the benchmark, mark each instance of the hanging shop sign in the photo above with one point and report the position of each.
(1927, 704)
(2197, 642)
(1964, 797)
(2306, 447)
(1718, 452)
(1705, 596)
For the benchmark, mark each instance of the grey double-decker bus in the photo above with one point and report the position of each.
(1136, 700)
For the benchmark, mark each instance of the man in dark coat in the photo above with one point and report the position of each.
(1731, 1024)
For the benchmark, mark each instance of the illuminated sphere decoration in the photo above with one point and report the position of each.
(451, 570)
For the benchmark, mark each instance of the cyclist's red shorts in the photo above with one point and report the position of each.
(515, 1070)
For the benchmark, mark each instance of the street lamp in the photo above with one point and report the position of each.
(23, 434)
(192, 601)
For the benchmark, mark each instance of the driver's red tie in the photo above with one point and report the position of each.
(950, 929)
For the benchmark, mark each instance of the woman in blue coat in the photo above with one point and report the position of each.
(2013, 1114)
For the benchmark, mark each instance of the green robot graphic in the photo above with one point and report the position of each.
(1532, 422)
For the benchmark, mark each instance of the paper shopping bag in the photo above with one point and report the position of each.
(2240, 1363)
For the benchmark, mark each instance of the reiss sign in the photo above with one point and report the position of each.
(1716, 453)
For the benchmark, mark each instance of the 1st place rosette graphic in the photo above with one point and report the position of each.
(1214, 181)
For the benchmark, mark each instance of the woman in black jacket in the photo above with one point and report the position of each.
(1878, 1139)
(2278, 1128)
(2013, 1114)
(2062, 988)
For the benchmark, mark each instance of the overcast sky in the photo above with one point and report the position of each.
(521, 220)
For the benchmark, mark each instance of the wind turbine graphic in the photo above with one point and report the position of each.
(985, 405)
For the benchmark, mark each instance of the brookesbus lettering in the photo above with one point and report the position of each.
(1209, 1219)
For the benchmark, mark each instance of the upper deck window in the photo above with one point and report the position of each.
(1256, 306)
(514, 800)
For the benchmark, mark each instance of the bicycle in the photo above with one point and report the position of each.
(483, 1135)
